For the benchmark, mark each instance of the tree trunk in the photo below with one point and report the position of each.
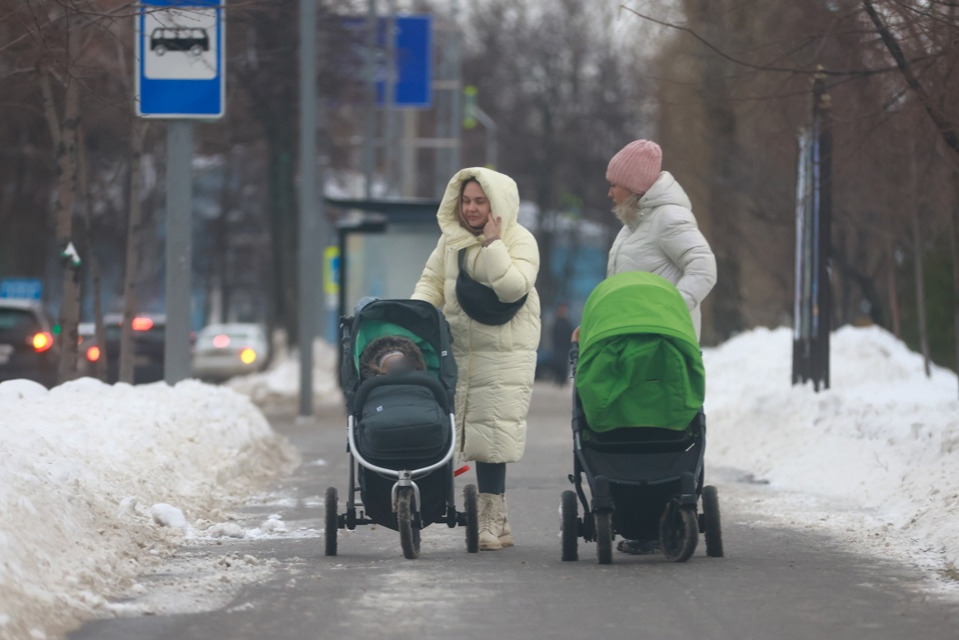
(920, 277)
(93, 264)
(547, 214)
(222, 277)
(132, 263)
(893, 289)
(724, 164)
(64, 133)
(283, 226)
(955, 265)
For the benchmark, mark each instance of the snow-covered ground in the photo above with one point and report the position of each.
(872, 460)
(98, 482)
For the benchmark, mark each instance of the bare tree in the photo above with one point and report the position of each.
(565, 93)
(765, 55)
(64, 122)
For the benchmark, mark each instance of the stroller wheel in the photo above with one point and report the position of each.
(604, 536)
(678, 532)
(472, 518)
(409, 531)
(331, 521)
(569, 522)
(711, 522)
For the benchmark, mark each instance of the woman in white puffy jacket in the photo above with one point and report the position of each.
(495, 356)
(659, 233)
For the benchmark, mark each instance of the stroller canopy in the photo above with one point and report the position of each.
(417, 320)
(639, 363)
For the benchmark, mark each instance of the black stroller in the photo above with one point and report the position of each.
(639, 431)
(401, 430)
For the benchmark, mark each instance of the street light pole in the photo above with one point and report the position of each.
(311, 215)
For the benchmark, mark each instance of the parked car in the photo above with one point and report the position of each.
(148, 348)
(226, 350)
(27, 346)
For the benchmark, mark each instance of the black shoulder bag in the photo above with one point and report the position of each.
(480, 302)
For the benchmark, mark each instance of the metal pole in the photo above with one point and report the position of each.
(369, 127)
(456, 93)
(825, 229)
(390, 97)
(448, 89)
(308, 275)
(179, 236)
(489, 124)
(408, 162)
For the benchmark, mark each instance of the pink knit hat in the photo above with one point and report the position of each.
(636, 166)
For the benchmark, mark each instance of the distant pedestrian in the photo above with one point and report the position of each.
(561, 335)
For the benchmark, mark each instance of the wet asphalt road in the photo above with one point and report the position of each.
(774, 582)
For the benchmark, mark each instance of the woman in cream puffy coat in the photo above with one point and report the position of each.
(496, 364)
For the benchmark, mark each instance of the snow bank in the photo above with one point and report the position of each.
(96, 480)
(881, 443)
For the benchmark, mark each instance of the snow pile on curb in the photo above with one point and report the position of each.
(96, 481)
(881, 442)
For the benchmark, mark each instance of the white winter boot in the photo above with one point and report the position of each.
(489, 525)
(505, 533)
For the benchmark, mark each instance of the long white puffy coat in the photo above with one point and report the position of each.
(664, 239)
(496, 363)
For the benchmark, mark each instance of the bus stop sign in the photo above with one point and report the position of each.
(180, 59)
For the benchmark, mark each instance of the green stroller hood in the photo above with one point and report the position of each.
(639, 364)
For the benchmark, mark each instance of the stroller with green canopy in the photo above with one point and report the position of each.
(401, 430)
(639, 431)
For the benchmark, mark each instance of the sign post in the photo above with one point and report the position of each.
(180, 75)
(812, 306)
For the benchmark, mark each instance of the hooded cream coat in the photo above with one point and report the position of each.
(664, 239)
(496, 363)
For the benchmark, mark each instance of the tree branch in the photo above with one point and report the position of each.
(861, 73)
(946, 129)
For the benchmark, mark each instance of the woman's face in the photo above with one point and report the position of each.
(474, 206)
(618, 194)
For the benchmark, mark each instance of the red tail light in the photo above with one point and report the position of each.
(221, 341)
(141, 324)
(93, 353)
(41, 341)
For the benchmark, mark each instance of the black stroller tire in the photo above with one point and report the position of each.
(604, 536)
(569, 521)
(678, 532)
(470, 498)
(332, 521)
(409, 531)
(712, 522)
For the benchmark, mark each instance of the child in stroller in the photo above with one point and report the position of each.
(639, 431)
(390, 354)
(398, 375)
